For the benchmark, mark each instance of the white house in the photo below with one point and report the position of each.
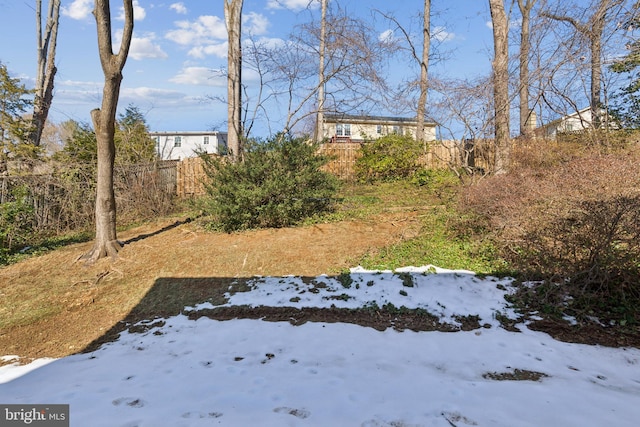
(574, 122)
(354, 128)
(180, 145)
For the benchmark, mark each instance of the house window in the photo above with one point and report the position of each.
(396, 130)
(379, 129)
(206, 140)
(177, 142)
(339, 130)
(347, 130)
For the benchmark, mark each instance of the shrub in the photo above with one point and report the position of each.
(574, 226)
(278, 184)
(16, 220)
(388, 158)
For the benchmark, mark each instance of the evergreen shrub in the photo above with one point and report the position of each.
(389, 158)
(278, 183)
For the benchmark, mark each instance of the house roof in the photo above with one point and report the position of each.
(341, 117)
(576, 114)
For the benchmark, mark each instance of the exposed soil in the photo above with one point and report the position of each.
(58, 306)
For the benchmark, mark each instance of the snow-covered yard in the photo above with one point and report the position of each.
(255, 373)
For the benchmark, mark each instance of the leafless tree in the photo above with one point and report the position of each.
(500, 85)
(424, 68)
(463, 110)
(525, 7)
(233, 19)
(591, 27)
(46, 49)
(104, 120)
(353, 77)
(321, 74)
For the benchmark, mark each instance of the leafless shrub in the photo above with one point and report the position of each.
(569, 215)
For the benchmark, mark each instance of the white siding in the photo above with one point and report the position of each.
(181, 145)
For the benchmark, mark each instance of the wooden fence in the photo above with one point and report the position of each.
(190, 177)
(190, 173)
(440, 155)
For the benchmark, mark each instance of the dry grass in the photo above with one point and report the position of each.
(53, 306)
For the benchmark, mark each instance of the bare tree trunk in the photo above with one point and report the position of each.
(233, 18)
(46, 68)
(104, 118)
(525, 46)
(500, 85)
(321, 76)
(424, 68)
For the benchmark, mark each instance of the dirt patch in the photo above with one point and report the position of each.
(589, 333)
(515, 375)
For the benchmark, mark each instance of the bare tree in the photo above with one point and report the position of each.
(500, 85)
(104, 119)
(353, 79)
(591, 27)
(424, 68)
(233, 19)
(46, 68)
(321, 76)
(525, 7)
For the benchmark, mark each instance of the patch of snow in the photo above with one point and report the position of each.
(250, 372)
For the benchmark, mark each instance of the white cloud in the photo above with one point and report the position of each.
(216, 49)
(144, 47)
(294, 5)
(179, 8)
(386, 36)
(78, 9)
(255, 23)
(203, 30)
(138, 12)
(148, 93)
(267, 43)
(442, 35)
(200, 76)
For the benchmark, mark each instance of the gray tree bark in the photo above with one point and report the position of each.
(321, 77)
(424, 69)
(104, 119)
(500, 86)
(233, 19)
(46, 68)
(525, 46)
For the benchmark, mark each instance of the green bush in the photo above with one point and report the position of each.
(16, 220)
(388, 158)
(278, 184)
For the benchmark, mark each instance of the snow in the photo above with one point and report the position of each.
(250, 372)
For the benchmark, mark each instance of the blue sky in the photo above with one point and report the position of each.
(177, 45)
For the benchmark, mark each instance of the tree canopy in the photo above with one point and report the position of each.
(14, 102)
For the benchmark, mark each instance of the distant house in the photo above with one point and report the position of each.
(180, 145)
(575, 122)
(354, 128)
